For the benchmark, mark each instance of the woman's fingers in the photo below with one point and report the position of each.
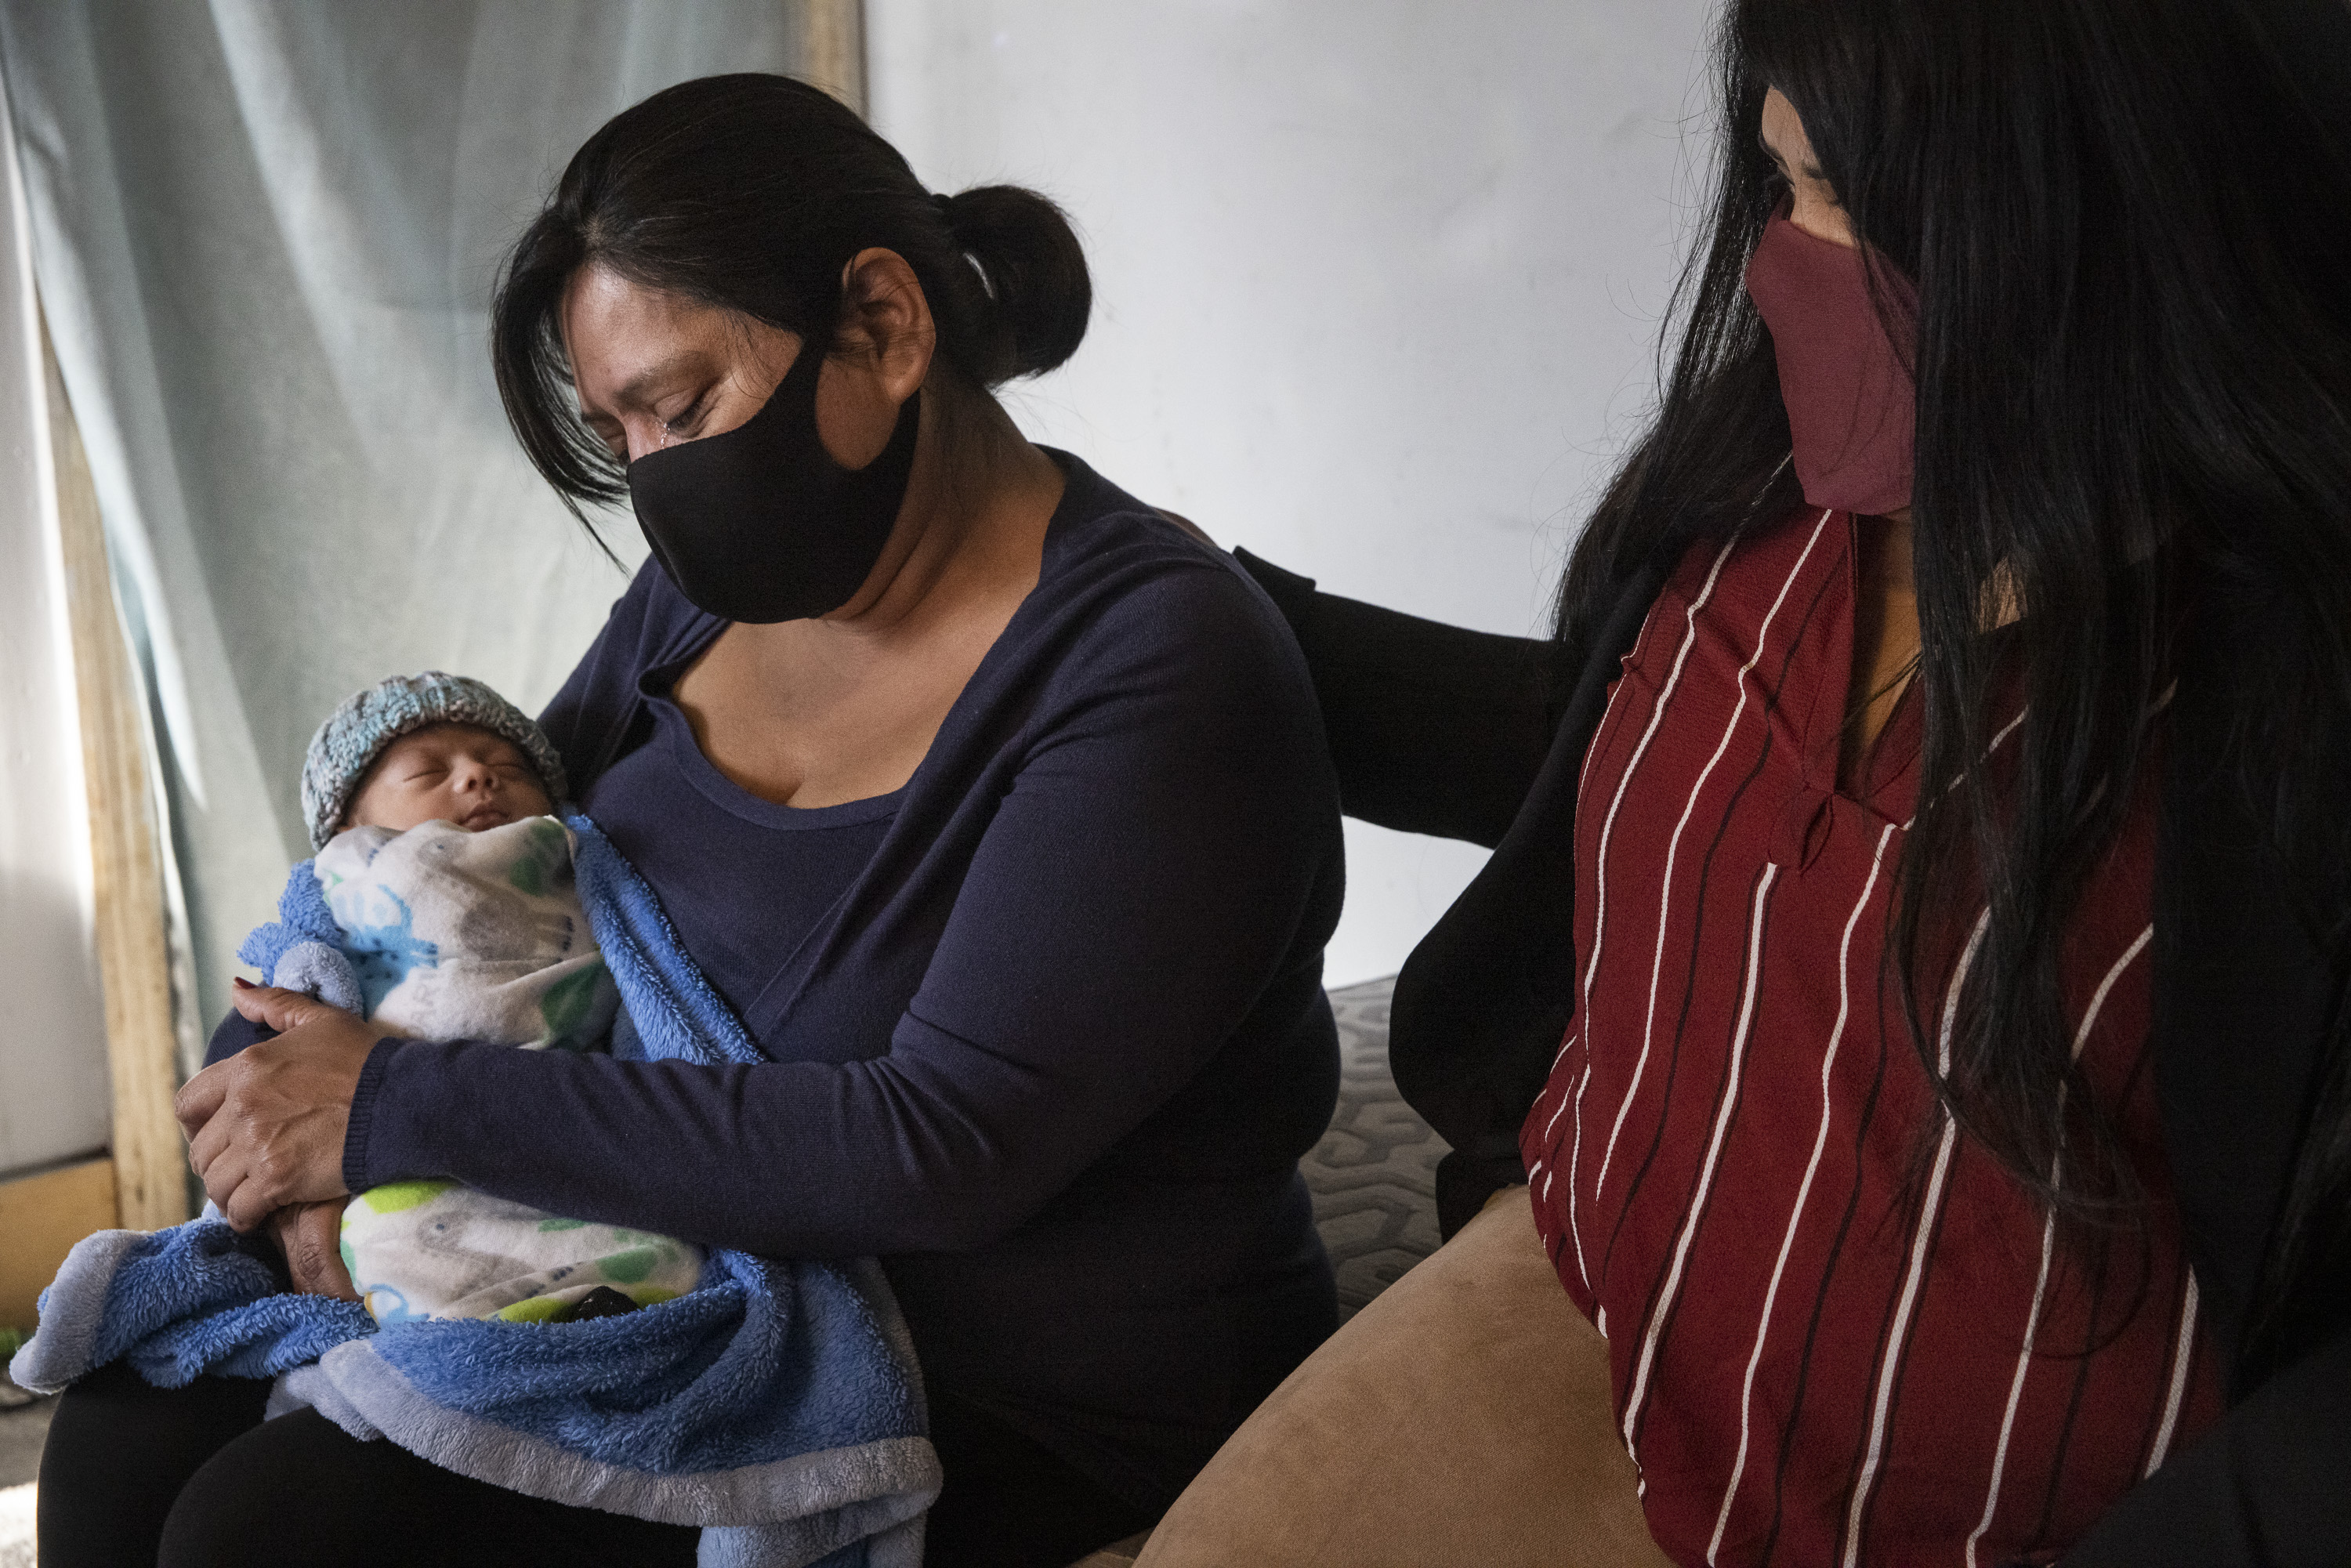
(247, 1204)
(311, 1236)
(277, 1007)
(198, 1099)
(205, 1143)
(223, 1178)
(267, 1127)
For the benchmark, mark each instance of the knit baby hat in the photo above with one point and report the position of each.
(367, 721)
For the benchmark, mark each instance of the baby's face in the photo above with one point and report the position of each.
(448, 773)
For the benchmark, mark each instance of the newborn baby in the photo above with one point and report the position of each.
(449, 886)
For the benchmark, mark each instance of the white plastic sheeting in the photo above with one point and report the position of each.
(1378, 280)
(53, 1072)
(265, 234)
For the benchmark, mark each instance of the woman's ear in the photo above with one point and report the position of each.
(886, 321)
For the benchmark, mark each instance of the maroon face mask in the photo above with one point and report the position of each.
(1848, 397)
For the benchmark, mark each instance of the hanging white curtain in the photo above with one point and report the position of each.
(53, 1069)
(265, 233)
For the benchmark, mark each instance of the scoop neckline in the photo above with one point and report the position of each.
(656, 684)
(673, 732)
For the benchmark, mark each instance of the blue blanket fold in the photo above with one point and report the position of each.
(778, 1405)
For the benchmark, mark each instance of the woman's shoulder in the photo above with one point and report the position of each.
(1155, 654)
(1120, 573)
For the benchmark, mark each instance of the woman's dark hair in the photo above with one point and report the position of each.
(2129, 225)
(752, 193)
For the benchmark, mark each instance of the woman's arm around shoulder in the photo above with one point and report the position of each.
(1433, 728)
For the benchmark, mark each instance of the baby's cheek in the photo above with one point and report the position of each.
(397, 810)
(441, 805)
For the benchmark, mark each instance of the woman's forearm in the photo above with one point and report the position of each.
(801, 1159)
(881, 1161)
(938, 1147)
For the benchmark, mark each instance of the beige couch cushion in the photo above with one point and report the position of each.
(1461, 1418)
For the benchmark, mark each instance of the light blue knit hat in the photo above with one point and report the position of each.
(367, 721)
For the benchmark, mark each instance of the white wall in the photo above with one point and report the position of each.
(53, 1096)
(1378, 281)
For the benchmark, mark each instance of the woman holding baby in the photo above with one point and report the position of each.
(993, 803)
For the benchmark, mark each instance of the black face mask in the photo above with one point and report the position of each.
(760, 524)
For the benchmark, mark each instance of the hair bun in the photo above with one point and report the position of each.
(1034, 269)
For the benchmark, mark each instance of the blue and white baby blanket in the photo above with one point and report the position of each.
(778, 1405)
(437, 933)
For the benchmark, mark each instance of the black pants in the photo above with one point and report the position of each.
(194, 1478)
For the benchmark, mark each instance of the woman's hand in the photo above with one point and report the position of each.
(265, 1127)
(311, 1236)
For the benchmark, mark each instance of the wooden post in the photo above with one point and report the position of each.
(836, 48)
(134, 951)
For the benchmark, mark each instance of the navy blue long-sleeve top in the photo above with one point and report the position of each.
(1047, 1026)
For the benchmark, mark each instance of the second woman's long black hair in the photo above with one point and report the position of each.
(2129, 224)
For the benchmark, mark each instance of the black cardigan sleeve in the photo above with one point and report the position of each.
(2265, 1488)
(1438, 730)
(1432, 729)
(2252, 1022)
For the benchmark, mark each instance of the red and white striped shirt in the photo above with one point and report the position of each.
(1808, 1369)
